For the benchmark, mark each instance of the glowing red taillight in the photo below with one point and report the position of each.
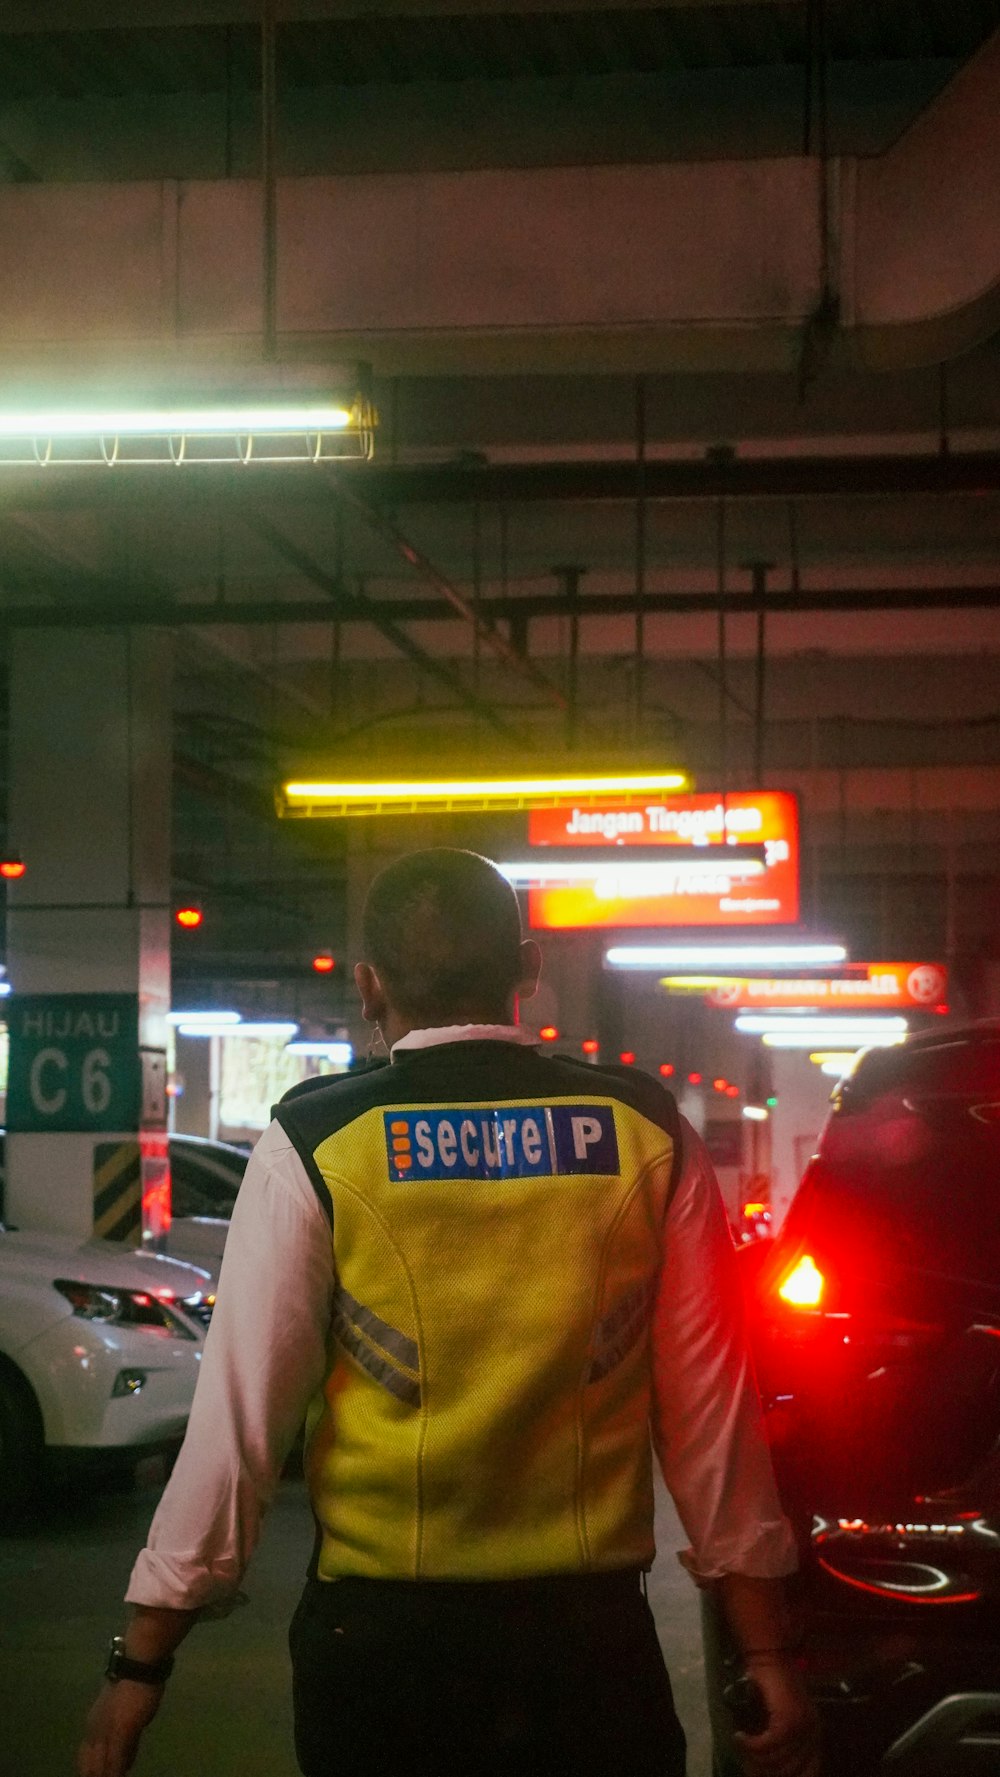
(803, 1286)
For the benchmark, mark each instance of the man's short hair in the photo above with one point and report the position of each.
(443, 931)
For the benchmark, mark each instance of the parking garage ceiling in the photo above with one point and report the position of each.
(613, 506)
(87, 93)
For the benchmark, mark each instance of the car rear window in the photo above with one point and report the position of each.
(969, 1069)
(911, 1154)
(204, 1178)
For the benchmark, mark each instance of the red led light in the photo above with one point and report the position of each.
(803, 1286)
(942, 1011)
(732, 1092)
(12, 869)
(694, 1079)
(666, 1069)
(189, 917)
(627, 1058)
(323, 963)
(590, 1046)
(888, 1591)
(720, 1084)
(548, 1033)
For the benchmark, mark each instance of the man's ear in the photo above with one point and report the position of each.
(373, 1003)
(530, 959)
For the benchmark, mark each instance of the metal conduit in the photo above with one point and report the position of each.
(268, 175)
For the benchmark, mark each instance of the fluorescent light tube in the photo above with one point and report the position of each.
(206, 1017)
(262, 1027)
(781, 1040)
(794, 1024)
(341, 1054)
(173, 422)
(361, 796)
(699, 957)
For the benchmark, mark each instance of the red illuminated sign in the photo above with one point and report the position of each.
(871, 986)
(669, 831)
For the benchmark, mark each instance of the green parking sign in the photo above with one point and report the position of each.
(74, 1062)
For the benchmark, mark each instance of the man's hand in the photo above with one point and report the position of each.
(115, 1726)
(789, 1745)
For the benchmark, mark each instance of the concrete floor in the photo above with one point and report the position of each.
(227, 1712)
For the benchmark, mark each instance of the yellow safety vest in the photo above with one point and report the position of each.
(497, 1221)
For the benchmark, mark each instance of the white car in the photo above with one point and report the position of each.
(99, 1353)
(206, 1176)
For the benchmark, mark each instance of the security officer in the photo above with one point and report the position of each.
(493, 1274)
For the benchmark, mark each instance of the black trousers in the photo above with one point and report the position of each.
(559, 1677)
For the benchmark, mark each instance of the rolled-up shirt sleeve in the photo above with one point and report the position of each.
(707, 1423)
(264, 1359)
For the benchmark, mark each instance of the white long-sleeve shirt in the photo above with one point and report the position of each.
(266, 1357)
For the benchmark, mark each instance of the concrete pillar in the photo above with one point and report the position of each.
(88, 931)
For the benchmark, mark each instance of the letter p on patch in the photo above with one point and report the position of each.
(586, 1134)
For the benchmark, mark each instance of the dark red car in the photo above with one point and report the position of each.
(875, 1319)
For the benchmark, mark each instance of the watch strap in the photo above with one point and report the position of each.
(140, 1671)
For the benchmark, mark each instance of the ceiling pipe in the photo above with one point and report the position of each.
(99, 611)
(569, 577)
(422, 564)
(640, 555)
(759, 571)
(388, 486)
(360, 605)
(720, 644)
(268, 179)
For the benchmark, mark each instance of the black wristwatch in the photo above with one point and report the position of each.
(142, 1671)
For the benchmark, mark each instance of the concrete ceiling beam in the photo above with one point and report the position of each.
(27, 16)
(700, 265)
(919, 277)
(388, 486)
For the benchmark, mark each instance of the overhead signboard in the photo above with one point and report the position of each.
(875, 987)
(672, 829)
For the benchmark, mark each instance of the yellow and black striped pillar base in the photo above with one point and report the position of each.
(118, 1191)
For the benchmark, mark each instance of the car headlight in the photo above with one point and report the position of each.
(198, 1307)
(121, 1308)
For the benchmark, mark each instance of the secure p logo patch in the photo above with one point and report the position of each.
(533, 1141)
